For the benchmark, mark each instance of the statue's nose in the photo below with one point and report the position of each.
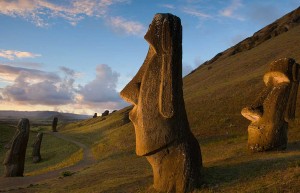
(131, 92)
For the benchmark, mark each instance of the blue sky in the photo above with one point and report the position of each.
(76, 55)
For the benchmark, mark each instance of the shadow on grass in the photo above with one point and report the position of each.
(247, 170)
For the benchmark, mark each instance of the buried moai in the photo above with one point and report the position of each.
(105, 113)
(36, 154)
(54, 124)
(95, 115)
(15, 156)
(162, 130)
(274, 107)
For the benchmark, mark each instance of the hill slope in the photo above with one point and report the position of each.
(214, 96)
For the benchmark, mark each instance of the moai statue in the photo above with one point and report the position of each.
(105, 113)
(95, 115)
(274, 107)
(162, 130)
(36, 155)
(15, 156)
(54, 124)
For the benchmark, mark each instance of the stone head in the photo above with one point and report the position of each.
(156, 90)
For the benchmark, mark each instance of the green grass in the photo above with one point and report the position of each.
(214, 98)
(56, 153)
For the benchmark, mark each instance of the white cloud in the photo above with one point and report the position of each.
(14, 54)
(103, 88)
(37, 10)
(120, 24)
(196, 13)
(35, 87)
(229, 11)
(168, 6)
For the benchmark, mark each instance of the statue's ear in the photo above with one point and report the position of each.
(166, 103)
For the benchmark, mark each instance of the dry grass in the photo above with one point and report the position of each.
(55, 152)
(214, 98)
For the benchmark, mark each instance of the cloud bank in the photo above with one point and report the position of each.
(35, 87)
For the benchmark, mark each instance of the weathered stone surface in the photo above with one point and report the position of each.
(95, 115)
(36, 154)
(162, 130)
(274, 107)
(105, 113)
(15, 156)
(54, 124)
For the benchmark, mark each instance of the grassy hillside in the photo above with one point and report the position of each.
(56, 153)
(214, 95)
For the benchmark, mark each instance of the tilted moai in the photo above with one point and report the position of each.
(15, 156)
(54, 124)
(95, 115)
(274, 107)
(36, 154)
(162, 130)
(105, 113)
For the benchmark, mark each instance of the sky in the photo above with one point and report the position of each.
(76, 55)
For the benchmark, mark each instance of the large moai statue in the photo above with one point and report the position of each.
(162, 130)
(15, 156)
(274, 107)
(36, 154)
(54, 124)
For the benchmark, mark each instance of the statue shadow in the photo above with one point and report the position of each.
(258, 164)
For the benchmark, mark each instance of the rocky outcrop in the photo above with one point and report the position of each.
(276, 28)
(162, 130)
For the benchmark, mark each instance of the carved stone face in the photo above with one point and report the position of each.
(156, 90)
(274, 107)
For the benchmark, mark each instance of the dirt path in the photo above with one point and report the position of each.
(18, 182)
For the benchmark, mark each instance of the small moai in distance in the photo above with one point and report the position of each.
(54, 124)
(105, 113)
(95, 115)
(162, 130)
(274, 107)
(15, 156)
(36, 154)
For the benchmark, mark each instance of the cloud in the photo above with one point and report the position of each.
(168, 6)
(23, 64)
(14, 54)
(37, 10)
(10, 73)
(35, 87)
(103, 88)
(196, 13)
(229, 11)
(120, 24)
